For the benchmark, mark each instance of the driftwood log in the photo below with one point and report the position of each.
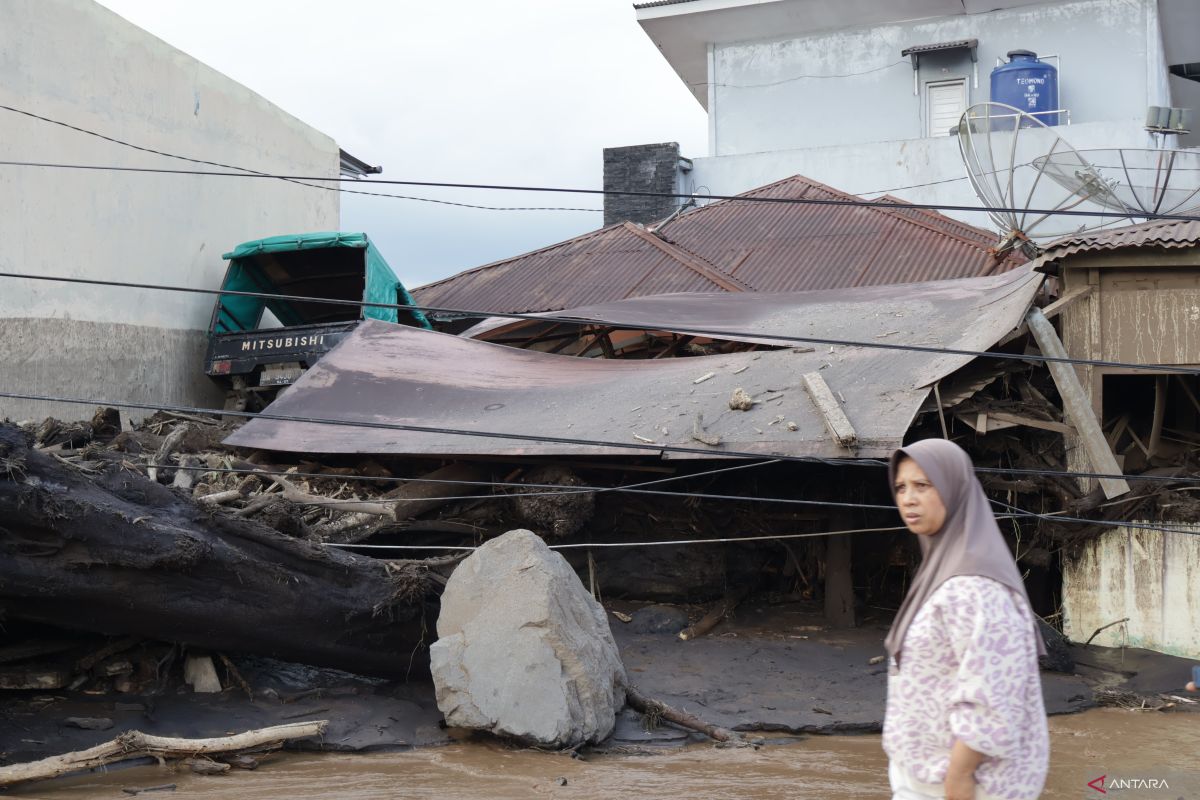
(658, 709)
(117, 554)
(135, 744)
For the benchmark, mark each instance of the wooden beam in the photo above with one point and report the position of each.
(1077, 406)
(1031, 422)
(835, 419)
(1160, 413)
(839, 584)
(1051, 311)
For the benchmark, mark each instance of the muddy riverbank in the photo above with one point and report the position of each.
(773, 669)
(1113, 742)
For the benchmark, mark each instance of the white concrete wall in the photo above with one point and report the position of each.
(75, 61)
(1111, 63)
(869, 168)
(1147, 576)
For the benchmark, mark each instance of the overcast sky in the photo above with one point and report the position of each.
(481, 91)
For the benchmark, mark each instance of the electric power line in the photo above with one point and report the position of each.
(715, 334)
(297, 181)
(827, 461)
(807, 201)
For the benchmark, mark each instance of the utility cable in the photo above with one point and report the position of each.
(560, 490)
(557, 489)
(715, 334)
(588, 545)
(807, 201)
(297, 181)
(855, 462)
(646, 449)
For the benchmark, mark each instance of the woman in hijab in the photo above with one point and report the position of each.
(965, 718)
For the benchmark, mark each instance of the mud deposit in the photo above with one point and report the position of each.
(1114, 742)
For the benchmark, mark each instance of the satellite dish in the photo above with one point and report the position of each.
(1023, 170)
(1142, 182)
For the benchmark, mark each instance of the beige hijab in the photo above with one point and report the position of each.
(969, 542)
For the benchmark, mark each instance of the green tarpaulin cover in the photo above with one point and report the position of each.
(246, 273)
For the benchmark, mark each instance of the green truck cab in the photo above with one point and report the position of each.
(257, 346)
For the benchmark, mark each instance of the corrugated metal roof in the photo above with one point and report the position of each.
(732, 245)
(656, 3)
(783, 247)
(1166, 233)
(404, 376)
(609, 264)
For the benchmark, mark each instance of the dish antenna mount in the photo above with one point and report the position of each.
(1023, 171)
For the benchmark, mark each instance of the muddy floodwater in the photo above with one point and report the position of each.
(1133, 746)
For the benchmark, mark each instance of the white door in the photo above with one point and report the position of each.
(945, 102)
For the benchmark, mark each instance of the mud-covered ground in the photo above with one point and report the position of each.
(778, 670)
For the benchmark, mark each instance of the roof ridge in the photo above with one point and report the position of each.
(493, 264)
(699, 265)
(811, 183)
(930, 212)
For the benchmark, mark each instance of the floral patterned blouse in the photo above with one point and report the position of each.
(968, 671)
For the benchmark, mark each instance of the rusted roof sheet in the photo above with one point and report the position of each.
(732, 246)
(609, 264)
(1168, 234)
(403, 376)
(777, 247)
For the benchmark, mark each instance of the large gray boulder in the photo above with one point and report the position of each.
(523, 650)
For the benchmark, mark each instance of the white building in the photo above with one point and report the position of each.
(834, 91)
(76, 62)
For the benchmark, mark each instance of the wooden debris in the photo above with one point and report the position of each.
(700, 435)
(185, 477)
(296, 495)
(167, 449)
(200, 673)
(831, 411)
(1078, 407)
(704, 377)
(164, 787)
(135, 744)
(33, 677)
(714, 616)
(262, 591)
(111, 649)
(206, 766)
(656, 709)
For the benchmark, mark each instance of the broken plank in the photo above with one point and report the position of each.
(1032, 422)
(831, 411)
(1077, 407)
(1049, 312)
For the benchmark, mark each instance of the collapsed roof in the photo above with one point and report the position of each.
(433, 394)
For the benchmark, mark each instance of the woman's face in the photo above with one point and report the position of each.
(917, 498)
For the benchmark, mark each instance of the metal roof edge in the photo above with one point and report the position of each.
(501, 262)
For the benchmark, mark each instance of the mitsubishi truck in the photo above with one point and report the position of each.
(258, 346)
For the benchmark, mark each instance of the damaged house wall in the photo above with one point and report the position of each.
(75, 61)
(1139, 301)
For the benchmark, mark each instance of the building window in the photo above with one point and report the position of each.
(945, 103)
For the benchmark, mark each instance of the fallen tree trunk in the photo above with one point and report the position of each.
(135, 744)
(118, 554)
(658, 709)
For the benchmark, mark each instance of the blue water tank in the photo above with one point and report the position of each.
(1028, 84)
